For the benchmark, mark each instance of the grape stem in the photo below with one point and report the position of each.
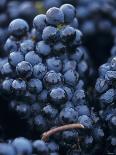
(46, 135)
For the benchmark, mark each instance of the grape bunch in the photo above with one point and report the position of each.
(105, 97)
(98, 26)
(23, 146)
(43, 80)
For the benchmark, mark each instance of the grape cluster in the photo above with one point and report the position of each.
(98, 25)
(44, 78)
(105, 89)
(24, 146)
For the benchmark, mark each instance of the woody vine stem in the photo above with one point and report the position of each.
(46, 135)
